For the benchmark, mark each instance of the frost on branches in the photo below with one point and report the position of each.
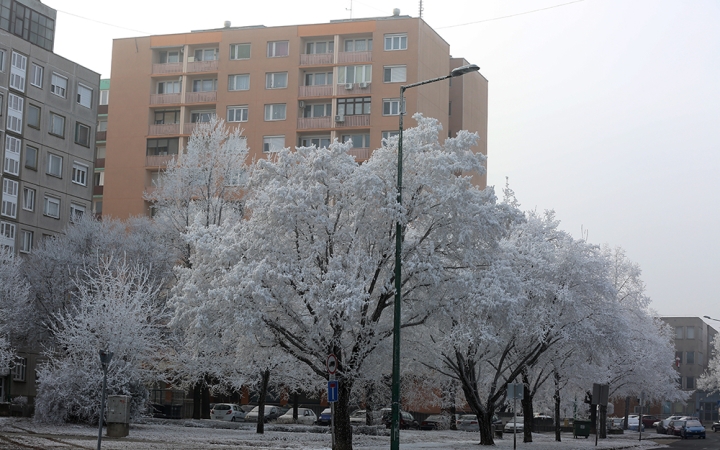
(710, 380)
(13, 307)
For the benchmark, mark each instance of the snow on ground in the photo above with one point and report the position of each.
(193, 434)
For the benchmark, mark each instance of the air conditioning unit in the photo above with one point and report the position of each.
(349, 86)
(364, 85)
(302, 104)
(340, 118)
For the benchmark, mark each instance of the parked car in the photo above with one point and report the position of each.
(716, 426)
(436, 422)
(614, 423)
(357, 417)
(271, 413)
(227, 411)
(306, 416)
(634, 423)
(407, 421)
(515, 423)
(325, 417)
(691, 429)
(674, 427)
(661, 426)
(469, 422)
(649, 421)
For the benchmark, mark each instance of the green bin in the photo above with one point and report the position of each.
(581, 428)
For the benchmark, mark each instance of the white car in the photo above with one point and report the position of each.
(271, 413)
(306, 416)
(516, 423)
(227, 411)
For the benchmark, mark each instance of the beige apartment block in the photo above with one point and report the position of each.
(284, 86)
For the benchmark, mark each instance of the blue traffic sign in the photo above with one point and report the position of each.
(332, 391)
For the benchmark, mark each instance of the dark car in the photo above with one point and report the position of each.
(325, 417)
(436, 422)
(716, 426)
(691, 429)
(407, 421)
(649, 421)
(675, 426)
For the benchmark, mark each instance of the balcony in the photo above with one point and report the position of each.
(99, 163)
(364, 88)
(316, 59)
(98, 190)
(164, 99)
(164, 129)
(202, 66)
(201, 97)
(361, 154)
(315, 91)
(354, 57)
(168, 68)
(306, 123)
(158, 160)
(100, 135)
(354, 121)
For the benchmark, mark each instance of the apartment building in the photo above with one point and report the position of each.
(285, 86)
(100, 138)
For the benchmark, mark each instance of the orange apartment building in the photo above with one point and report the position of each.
(284, 86)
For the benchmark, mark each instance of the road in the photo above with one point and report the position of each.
(712, 442)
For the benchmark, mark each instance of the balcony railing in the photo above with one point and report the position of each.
(305, 123)
(200, 97)
(355, 88)
(164, 129)
(99, 163)
(361, 154)
(316, 58)
(98, 190)
(354, 121)
(315, 91)
(100, 135)
(354, 57)
(167, 68)
(202, 66)
(158, 160)
(164, 99)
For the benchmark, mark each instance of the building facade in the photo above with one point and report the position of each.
(284, 86)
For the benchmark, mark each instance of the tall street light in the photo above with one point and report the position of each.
(395, 430)
(105, 358)
(708, 317)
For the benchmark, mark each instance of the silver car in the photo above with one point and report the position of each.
(227, 411)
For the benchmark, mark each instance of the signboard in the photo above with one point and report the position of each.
(331, 364)
(515, 390)
(332, 391)
(600, 394)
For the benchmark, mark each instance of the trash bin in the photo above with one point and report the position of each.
(581, 428)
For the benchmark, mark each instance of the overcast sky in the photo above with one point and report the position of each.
(607, 111)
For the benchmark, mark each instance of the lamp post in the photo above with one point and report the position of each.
(105, 357)
(708, 317)
(395, 429)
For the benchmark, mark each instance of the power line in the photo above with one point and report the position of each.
(511, 15)
(103, 23)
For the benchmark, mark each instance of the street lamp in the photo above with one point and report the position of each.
(105, 357)
(395, 430)
(708, 317)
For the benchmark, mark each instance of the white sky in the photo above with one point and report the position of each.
(607, 111)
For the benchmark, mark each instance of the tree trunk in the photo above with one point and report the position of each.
(556, 397)
(343, 429)
(527, 407)
(485, 424)
(260, 429)
(197, 400)
(296, 404)
(369, 403)
(627, 413)
(450, 394)
(603, 428)
(205, 407)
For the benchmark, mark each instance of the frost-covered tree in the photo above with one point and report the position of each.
(710, 380)
(115, 309)
(14, 307)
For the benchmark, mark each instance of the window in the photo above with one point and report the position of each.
(320, 47)
(170, 56)
(2, 60)
(679, 331)
(391, 107)
(157, 147)
(7, 234)
(239, 51)
(319, 142)
(54, 165)
(52, 207)
(41, 29)
(97, 206)
(275, 111)
(206, 54)
(100, 152)
(18, 371)
(26, 241)
(277, 49)
(84, 95)
(36, 75)
(99, 179)
(58, 85)
(355, 74)
(239, 82)
(273, 144)
(358, 45)
(237, 113)
(699, 358)
(396, 41)
(317, 110)
(76, 212)
(276, 80)
(169, 87)
(82, 134)
(201, 116)
(9, 198)
(165, 117)
(104, 96)
(691, 332)
(208, 85)
(358, 140)
(386, 135)
(102, 125)
(690, 383)
(11, 163)
(690, 358)
(15, 113)
(31, 157)
(57, 125)
(79, 174)
(1, 104)
(18, 71)
(28, 199)
(678, 359)
(318, 79)
(33, 116)
(394, 74)
(353, 106)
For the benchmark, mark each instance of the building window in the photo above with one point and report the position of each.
(690, 358)
(84, 95)
(239, 82)
(57, 125)
(82, 134)
(237, 113)
(239, 51)
(690, 383)
(18, 71)
(36, 75)
(26, 241)
(208, 85)
(102, 125)
(319, 47)
(273, 144)
(164, 117)
(54, 165)
(28, 199)
(2, 60)
(159, 147)
(679, 332)
(97, 207)
(99, 179)
(358, 140)
(169, 87)
(76, 212)
(277, 49)
(7, 235)
(358, 45)
(58, 85)
(318, 79)
(52, 207)
(391, 106)
(355, 74)
(206, 54)
(170, 56)
(317, 110)
(394, 74)
(201, 116)
(275, 111)
(18, 371)
(678, 359)
(33, 116)
(691, 332)
(9, 198)
(79, 174)
(31, 157)
(276, 80)
(353, 106)
(11, 163)
(700, 358)
(15, 109)
(396, 41)
(386, 135)
(319, 142)
(104, 96)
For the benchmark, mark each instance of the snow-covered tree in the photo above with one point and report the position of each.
(710, 380)
(14, 307)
